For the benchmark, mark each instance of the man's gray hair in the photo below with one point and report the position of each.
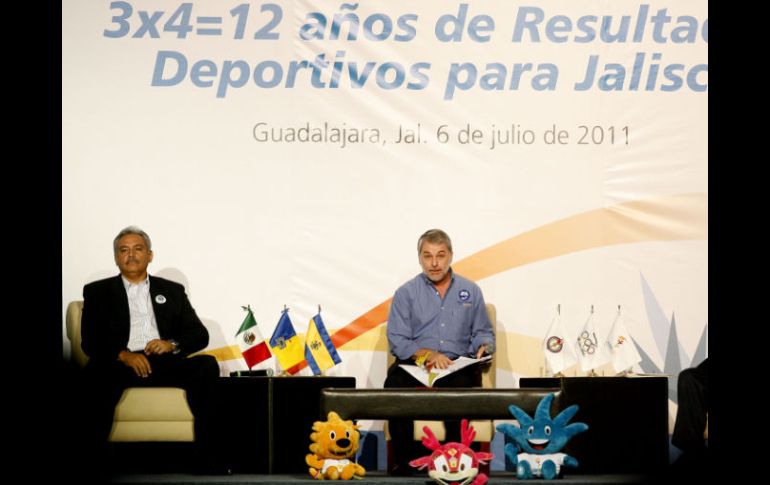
(434, 236)
(131, 230)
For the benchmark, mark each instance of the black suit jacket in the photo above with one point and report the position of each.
(106, 319)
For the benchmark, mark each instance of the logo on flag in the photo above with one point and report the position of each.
(587, 342)
(592, 355)
(320, 352)
(285, 344)
(253, 346)
(622, 348)
(558, 356)
(554, 344)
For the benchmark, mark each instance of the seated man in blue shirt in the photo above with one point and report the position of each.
(435, 317)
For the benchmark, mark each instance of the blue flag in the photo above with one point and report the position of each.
(285, 343)
(320, 352)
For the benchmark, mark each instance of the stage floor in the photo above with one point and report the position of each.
(374, 478)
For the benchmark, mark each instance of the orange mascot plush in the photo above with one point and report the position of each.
(333, 450)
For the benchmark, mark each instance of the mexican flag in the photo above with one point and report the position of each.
(253, 345)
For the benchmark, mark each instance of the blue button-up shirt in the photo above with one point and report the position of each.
(456, 325)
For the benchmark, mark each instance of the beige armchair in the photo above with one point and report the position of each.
(485, 430)
(143, 413)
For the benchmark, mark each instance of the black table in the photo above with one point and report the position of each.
(268, 420)
(627, 419)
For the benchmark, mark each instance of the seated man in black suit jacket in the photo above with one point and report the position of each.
(692, 420)
(138, 331)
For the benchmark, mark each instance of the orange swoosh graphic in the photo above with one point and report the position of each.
(677, 217)
(666, 218)
(662, 219)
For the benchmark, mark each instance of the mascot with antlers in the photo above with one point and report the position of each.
(453, 463)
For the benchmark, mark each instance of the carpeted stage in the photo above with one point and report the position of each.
(374, 478)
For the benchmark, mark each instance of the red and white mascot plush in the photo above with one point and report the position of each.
(453, 463)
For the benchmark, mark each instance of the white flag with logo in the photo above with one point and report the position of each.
(590, 352)
(622, 348)
(558, 354)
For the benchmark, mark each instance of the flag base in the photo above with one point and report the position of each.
(252, 373)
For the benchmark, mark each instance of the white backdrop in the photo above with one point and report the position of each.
(615, 212)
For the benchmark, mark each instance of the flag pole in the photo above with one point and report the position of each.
(592, 372)
(558, 315)
(321, 372)
(629, 370)
(283, 372)
(247, 309)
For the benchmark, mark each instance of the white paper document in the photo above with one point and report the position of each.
(428, 377)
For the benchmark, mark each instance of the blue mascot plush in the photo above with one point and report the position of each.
(538, 442)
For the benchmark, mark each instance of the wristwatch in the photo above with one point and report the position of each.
(176, 346)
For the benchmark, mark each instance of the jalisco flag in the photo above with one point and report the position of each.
(320, 352)
(559, 355)
(591, 354)
(285, 344)
(622, 348)
(253, 345)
